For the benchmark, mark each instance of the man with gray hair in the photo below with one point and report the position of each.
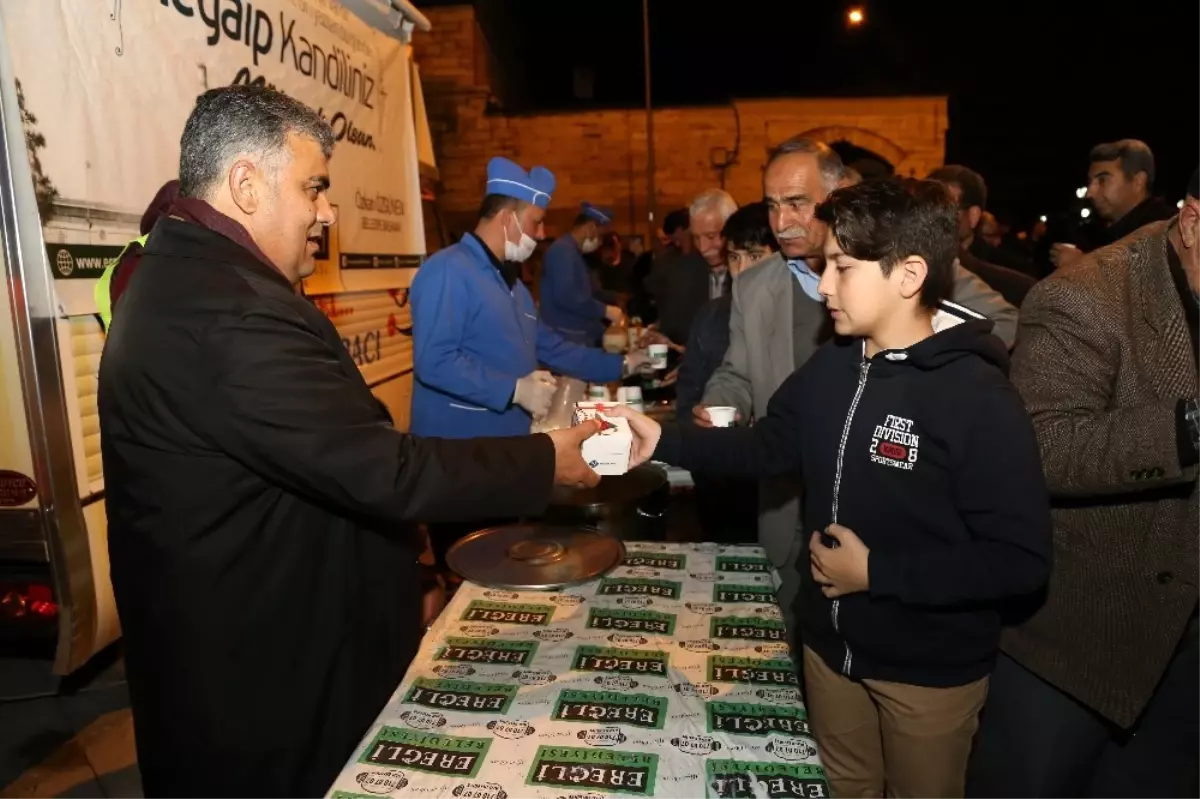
(1120, 186)
(260, 502)
(779, 320)
(699, 276)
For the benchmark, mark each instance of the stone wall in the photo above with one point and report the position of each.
(600, 156)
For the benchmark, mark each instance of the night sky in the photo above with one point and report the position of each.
(1032, 86)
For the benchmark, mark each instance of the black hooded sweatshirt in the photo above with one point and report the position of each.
(929, 456)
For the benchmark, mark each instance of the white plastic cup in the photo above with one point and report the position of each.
(722, 415)
(631, 396)
(598, 392)
(658, 355)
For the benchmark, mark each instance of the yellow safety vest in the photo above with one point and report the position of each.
(101, 294)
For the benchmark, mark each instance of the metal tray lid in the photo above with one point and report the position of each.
(534, 557)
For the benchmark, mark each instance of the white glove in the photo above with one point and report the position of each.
(534, 392)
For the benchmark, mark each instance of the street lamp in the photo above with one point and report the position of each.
(855, 16)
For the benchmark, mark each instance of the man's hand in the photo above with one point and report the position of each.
(569, 468)
(646, 433)
(614, 314)
(654, 336)
(672, 378)
(534, 392)
(839, 570)
(700, 417)
(1063, 255)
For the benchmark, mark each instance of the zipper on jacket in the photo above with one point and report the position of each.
(863, 368)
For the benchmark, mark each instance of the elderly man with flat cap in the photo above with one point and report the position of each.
(568, 303)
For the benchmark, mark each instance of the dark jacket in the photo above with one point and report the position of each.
(680, 288)
(1097, 234)
(1105, 357)
(706, 347)
(259, 508)
(928, 455)
(1011, 284)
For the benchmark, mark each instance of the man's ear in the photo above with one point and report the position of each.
(913, 271)
(245, 186)
(1141, 182)
(974, 214)
(1189, 224)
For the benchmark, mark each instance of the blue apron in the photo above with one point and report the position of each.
(473, 338)
(567, 302)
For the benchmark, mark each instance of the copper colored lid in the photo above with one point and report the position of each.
(534, 557)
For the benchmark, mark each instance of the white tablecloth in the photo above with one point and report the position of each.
(669, 678)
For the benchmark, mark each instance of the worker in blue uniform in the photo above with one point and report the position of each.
(568, 302)
(477, 339)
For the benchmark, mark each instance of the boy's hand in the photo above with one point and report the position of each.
(839, 570)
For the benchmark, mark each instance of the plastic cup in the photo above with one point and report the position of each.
(658, 355)
(722, 415)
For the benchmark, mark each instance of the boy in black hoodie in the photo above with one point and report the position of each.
(923, 477)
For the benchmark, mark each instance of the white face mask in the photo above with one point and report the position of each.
(590, 245)
(518, 252)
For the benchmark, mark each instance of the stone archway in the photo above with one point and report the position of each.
(888, 151)
(869, 164)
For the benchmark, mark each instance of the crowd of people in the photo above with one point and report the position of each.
(983, 517)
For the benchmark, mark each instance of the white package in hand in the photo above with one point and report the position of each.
(607, 452)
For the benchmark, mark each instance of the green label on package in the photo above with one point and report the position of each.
(470, 697)
(734, 779)
(747, 629)
(734, 563)
(723, 668)
(611, 707)
(743, 593)
(473, 650)
(586, 770)
(422, 751)
(508, 612)
(739, 718)
(631, 621)
(623, 586)
(656, 560)
(610, 660)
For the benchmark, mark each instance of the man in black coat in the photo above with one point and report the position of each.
(969, 191)
(259, 499)
(728, 509)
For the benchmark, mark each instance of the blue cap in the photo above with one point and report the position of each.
(601, 215)
(507, 178)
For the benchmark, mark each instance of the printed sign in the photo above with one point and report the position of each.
(656, 560)
(722, 668)
(594, 769)
(743, 593)
(735, 563)
(483, 610)
(738, 718)
(617, 586)
(732, 779)
(610, 707)
(420, 751)
(462, 695)
(472, 650)
(749, 629)
(621, 661)
(640, 621)
(357, 78)
(80, 261)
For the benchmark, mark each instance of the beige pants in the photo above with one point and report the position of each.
(879, 736)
